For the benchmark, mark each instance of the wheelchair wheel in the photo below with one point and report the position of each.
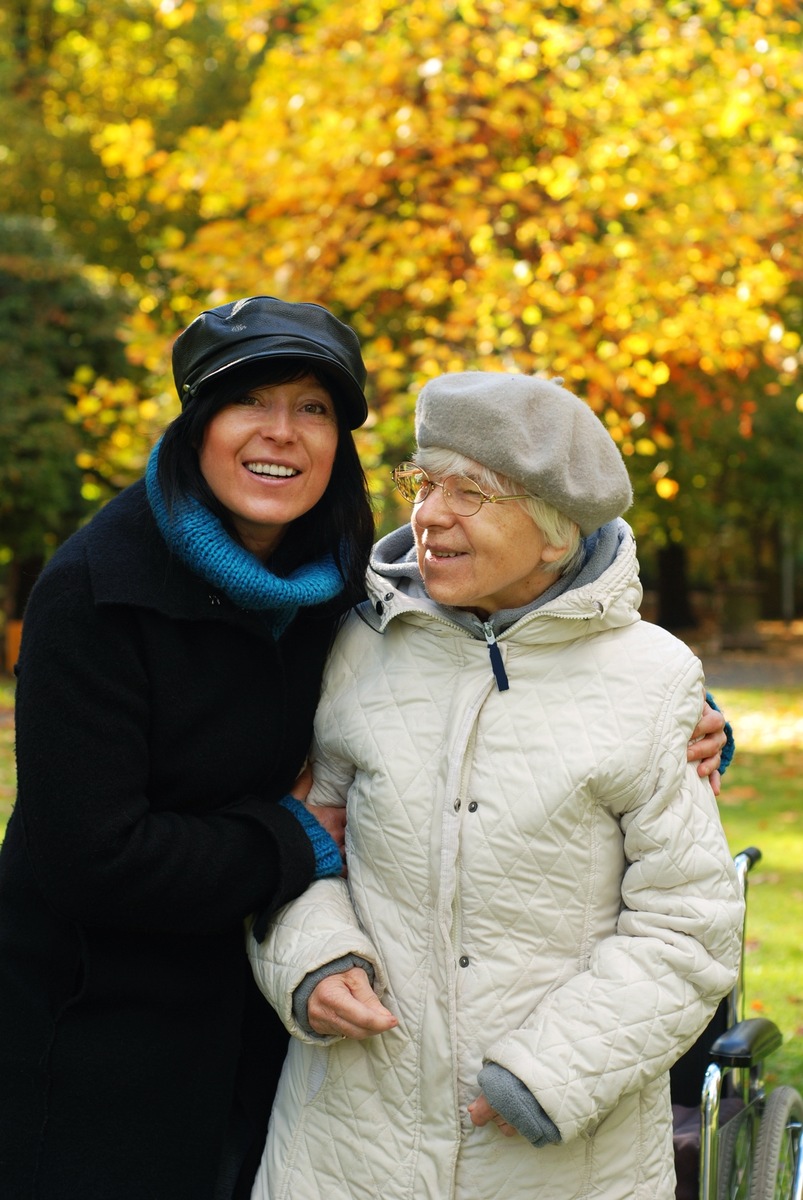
(778, 1146)
(735, 1157)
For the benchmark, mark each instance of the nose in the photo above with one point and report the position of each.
(433, 510)
(277, 422)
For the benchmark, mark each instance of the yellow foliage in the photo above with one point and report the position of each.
(123, 426)
(615, 197)
(128, 146)
(667, 488)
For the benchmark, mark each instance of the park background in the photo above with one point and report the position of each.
(608, 190)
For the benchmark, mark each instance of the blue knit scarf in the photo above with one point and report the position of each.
(198, 538)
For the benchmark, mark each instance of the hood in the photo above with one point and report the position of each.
(604, 592)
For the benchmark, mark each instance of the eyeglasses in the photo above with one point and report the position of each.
(462, 495)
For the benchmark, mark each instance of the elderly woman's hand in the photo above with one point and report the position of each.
(346, 1005)
(705, 748)
(481, 1113)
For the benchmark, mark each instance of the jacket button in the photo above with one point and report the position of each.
(464, 960)
(457, 806)
(473, 806)
(388, 595)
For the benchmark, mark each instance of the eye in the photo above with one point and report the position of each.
(461, 485)
(247, 401)
(318, 408)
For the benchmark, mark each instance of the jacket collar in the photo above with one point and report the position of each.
(608, 579)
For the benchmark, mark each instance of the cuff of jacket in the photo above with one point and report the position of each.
(730, 745)
(325, 848)
(309, 983)
(514, 1102)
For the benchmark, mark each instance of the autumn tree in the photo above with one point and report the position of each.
(96, 92)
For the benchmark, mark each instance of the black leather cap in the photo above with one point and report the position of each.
(262, 327)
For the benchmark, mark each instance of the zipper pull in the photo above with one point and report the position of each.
(496, 659)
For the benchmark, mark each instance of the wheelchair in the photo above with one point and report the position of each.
(733, 1140)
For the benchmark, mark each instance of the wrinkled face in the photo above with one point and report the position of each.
(492, 560)
(268, 457)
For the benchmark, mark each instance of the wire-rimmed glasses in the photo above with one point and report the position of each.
(462, 494)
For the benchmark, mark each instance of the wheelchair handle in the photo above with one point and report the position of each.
(743, 862)
(746, 859)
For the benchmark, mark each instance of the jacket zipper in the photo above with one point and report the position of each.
(497, 665)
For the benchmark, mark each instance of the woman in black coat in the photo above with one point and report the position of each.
(168, 675)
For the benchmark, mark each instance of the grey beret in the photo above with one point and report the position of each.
(533, 431)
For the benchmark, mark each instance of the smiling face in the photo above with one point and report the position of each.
(492, 560)
(268, 457)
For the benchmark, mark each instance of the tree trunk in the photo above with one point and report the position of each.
(674, 606)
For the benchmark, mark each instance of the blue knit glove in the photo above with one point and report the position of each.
(730, 745)
(325, 848)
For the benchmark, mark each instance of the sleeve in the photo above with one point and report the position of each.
(319, 928)
(313, 932)
(102, 853)
(650, 988)
(338, 966)
(519, 1107)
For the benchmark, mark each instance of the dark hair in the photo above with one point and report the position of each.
(340, 524)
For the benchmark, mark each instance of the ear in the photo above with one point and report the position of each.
(551, 554)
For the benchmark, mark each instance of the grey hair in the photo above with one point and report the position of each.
(558, 530)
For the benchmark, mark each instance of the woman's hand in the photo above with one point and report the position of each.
(706, 745)
(332, 818)
(481, 1113)
(346, 1005)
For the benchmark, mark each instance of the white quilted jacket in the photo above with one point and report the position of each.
(538, 879)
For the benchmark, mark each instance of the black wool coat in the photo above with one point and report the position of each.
(157, 726)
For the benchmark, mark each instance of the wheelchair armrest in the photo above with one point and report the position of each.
(746, 1043)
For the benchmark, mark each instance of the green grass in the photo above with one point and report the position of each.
(761, 805)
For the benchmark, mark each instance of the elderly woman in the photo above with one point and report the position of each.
(541, 912)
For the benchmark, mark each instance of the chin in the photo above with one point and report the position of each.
(448, 598)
